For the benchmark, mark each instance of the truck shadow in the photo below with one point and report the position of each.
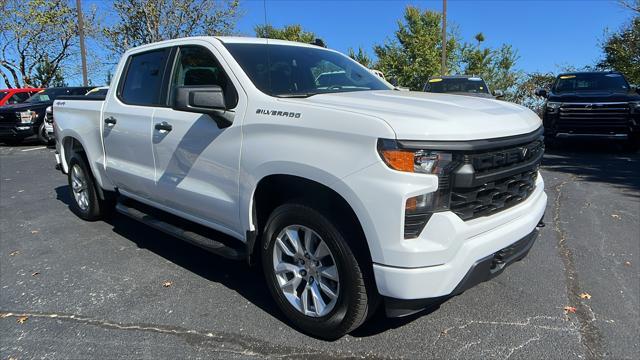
(236, 275)
(596, 161)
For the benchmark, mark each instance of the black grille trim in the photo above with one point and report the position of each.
(593, 118)
(493, 197)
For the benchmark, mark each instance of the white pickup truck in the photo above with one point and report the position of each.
(348, 193)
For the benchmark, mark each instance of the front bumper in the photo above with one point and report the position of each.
(16, 131)
(463, 244)
(482, 270)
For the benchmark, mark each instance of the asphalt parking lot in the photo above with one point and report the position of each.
(72, 289)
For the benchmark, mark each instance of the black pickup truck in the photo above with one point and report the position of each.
(584, 104)
(26, 119)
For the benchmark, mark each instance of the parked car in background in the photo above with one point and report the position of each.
(16, 96)
(588, 104)
(26, 119)
(461, 85)
(348, 191)
(48, 119)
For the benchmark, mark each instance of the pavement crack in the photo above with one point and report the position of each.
(224, 342)
(514, 349)
(590, 335)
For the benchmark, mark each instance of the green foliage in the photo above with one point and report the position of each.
(140, 22)
(47, 73)
(289, 32)
(495, 66)
(38, 38)
(415, 52)
(361, 57)
(622, 51)
(523, 92)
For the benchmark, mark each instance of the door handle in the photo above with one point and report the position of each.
(110, 121)
(164, 126)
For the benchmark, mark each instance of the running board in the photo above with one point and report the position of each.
(194, 238)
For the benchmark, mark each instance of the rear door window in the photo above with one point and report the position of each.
(142, 82)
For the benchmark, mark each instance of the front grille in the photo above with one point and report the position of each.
(593, 118)
(8, 117)
(494, 196)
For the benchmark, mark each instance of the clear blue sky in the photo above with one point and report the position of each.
(547, 34)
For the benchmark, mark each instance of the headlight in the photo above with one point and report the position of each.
(634, 106)
(553, 107)
(416, 161)
(418, 209)
(27, 117)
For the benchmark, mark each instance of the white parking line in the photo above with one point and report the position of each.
(35, 148)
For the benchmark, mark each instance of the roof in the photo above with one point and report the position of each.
(589, 72)
(254, 40)
(455, 77)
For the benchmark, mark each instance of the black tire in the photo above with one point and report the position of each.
(95, 208)
(42, 135)
(357, 296)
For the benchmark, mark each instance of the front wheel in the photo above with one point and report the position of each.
(43, 136)
(312, 273)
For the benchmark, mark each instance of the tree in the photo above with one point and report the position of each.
(140, 22)
(292, 32)
(45, 73)
(415, 53)
(524, 90)
(361, 57)
(38, 38)
(495, 66)
(622, 51)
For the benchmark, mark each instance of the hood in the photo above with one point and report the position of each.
(26, 106)
(594, 96)
(433, 116)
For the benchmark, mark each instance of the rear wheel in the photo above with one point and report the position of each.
(312, 273)
(85, 201)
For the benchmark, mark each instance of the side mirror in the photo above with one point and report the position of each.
(498, 94)
(393, 81)
(203, 99)
(635, 88)
(541, 93)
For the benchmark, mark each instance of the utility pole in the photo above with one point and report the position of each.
(443, 68)
(83, 53)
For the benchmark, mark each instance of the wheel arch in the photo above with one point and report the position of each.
(325, 192)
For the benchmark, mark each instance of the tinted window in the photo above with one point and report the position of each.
(47, 94)
(142, 82)
(285, 70)
(591, 82)
(452, 85)
(18, 98)
(197, 66)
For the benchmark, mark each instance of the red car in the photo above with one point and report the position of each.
(15, 96)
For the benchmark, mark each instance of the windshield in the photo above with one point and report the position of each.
(467, 85)
(46, 95)
(297, 71)
(590, 82)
